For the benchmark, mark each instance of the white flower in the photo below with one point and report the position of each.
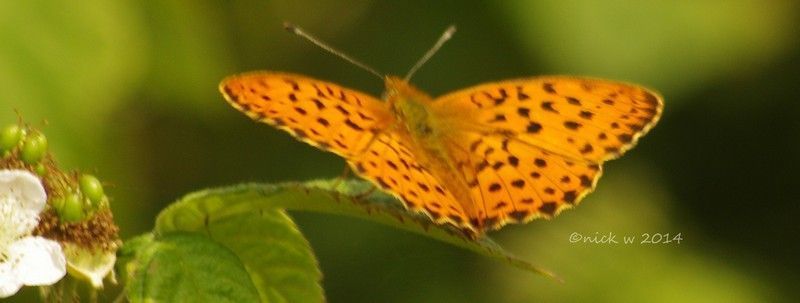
(25, 259)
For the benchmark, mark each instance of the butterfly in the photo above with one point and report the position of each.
(477, 158)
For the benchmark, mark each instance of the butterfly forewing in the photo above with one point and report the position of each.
(351, 124)
(578, 118)
(322, 114)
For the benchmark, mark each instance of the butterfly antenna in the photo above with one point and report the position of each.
(448, 33)
(300, 32)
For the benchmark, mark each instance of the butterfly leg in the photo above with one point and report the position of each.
(470, 233)
(342, 177)
(366, 193)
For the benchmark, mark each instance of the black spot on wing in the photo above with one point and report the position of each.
(548, 87)
(318, 103)
(572, 125)
(533, 127)
(585, 181)
(230, 93)
(586, 149)
(518, 215)
(573, 101)
(524, 112)
(548, 208)
(521, 96)
(570, 196)
(548, 106)
(352, 125)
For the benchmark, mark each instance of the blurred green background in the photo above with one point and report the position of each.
(128, 90)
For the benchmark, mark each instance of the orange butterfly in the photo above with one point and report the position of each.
(478, 158)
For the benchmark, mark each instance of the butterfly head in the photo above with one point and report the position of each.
(408, 104)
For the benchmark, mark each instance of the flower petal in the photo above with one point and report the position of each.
(28, 186)
(9, 283)
(39, 261)
(90, 265)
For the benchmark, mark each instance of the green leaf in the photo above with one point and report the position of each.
(187, 267)
(263, 245)
(237, 244)
(197, 210)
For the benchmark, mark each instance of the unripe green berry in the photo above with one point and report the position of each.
(33, 148)
(58, 204)
(73, 208)
(40, 169)
(91, 188)
(9, 137)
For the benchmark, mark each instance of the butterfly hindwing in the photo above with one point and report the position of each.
(392, 166)
(512, 181)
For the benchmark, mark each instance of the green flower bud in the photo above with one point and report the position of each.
(34, 148)
(10, 137)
